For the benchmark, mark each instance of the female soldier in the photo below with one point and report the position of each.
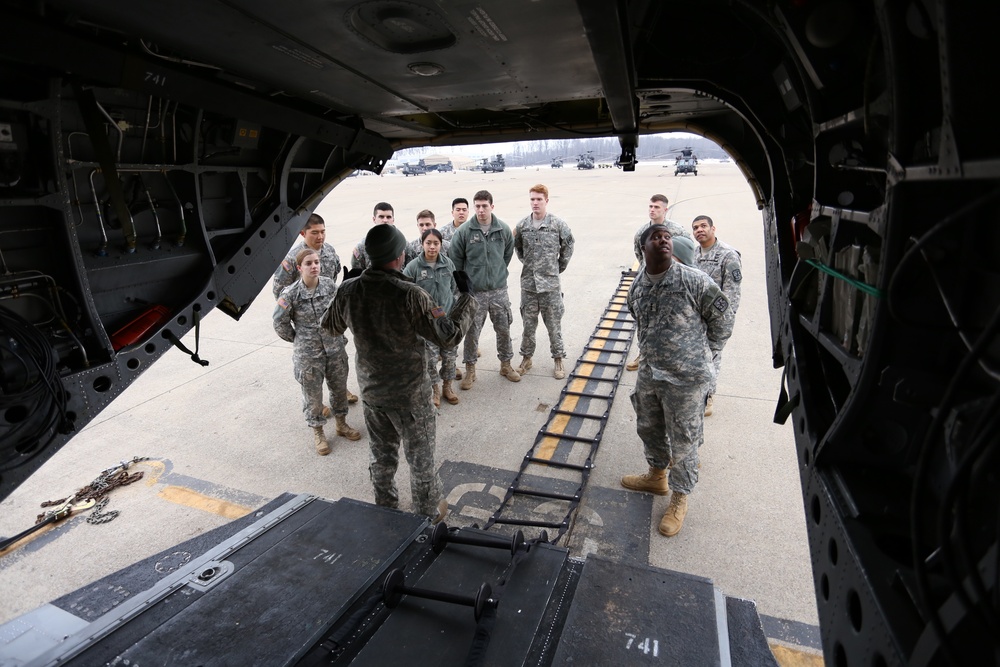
(435, 273)
(317, 354)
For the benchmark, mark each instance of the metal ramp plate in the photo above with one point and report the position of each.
(627, 615)
(277, 592)
(427, 632)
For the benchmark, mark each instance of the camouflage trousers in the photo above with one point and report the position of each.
(670, 421)
(310, 374)
(415, 429)
(447, 357)
(497, 304)
(717, 362)
(550, 306)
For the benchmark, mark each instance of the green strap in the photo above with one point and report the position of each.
(864, 287)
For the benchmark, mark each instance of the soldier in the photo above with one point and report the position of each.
(313, 236)
(721, 261)
(434, 272)
(390, 318)
(544, 244)
(681, 317)
(415, 248)
(657, 216)
(459, 214)
(317, 354)
(485, 247)
(382, 215)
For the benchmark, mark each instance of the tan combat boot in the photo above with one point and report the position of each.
(508, 371)
(633, 365)
(345, 430)
(525, 365)
(322, 446)
(558, 373)
(673, 518)
(470, 376)
(437, 395)
(654, 481)
(327, 412)
(351, 398)
(458, 373)
(708, 407)
(442, 512)
(449, 393)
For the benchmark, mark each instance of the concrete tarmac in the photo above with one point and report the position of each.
(224, 439)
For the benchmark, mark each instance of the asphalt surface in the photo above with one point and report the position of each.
(224, 439)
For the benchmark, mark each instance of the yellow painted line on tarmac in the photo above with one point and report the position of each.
(191, 498)
(156, 470)
(547, 447)
(786, 656)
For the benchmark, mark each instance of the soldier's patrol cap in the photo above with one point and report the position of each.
(384, 243)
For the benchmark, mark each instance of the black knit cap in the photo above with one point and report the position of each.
(384, 243)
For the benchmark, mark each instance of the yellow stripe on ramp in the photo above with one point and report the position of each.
(547, 447)
(787, 656)
(190, 498)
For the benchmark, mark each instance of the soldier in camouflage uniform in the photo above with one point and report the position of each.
(544, 244)
(484, 248)
(721, 261)
(434, 272)
(382, 215)
(390, 318)
(459, 214)
(313, 236)
(657, 216)
(317, 355)
(415, 248)
(681, 317)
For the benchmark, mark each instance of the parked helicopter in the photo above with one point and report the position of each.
(557, 163)
(415, 169)
(585, 161)
(496, 164)
(686, 162)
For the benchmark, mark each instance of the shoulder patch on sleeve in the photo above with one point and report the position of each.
(737, 275)
(357, 252)
(283, 303)
(721, 304)
(286, 265)
(437, 312)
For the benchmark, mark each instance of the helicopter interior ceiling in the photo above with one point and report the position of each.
(861, 127)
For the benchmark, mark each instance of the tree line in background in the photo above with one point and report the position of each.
(605, 149)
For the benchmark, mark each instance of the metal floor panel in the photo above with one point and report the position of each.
(432, 633)
(273, 595)
(627, 615)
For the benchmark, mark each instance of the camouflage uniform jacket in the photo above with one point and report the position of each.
(297, 316)
(680, 320)
(483, 256)
(414, 248)
(722, 262)
(288, 272)
(544, 252)
(675, 230)
(448, 230)
(438, 281)
(389, 316)
(359, 258)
